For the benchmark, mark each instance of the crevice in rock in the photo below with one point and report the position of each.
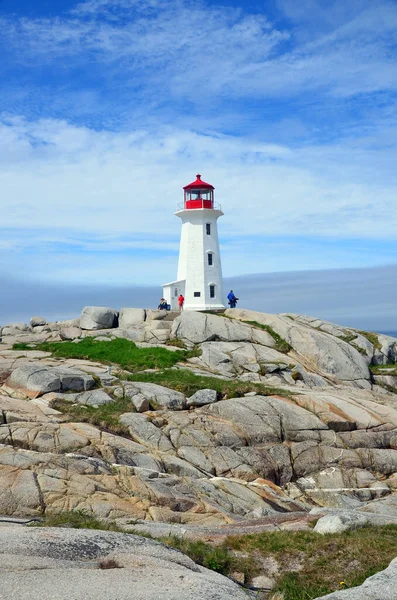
(39, 490)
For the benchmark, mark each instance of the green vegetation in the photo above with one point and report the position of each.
(281, 344)
(371, 337)
(348, 337)
(105, 416)
(216, 558)
(312, 565)
(75, 519)
(188, 383)
(388, 369)
(119, 351)
(176, 343)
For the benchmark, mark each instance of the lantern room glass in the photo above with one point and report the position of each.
(203, 194)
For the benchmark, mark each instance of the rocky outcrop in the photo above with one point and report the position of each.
(33, 380)
(80, 564)
(319, 349)
(315, 428)
(98, 317)
(196, 328)
(131, 317)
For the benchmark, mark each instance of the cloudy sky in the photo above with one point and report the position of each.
(109, 107)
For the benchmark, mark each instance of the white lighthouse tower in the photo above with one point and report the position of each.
(199, 266)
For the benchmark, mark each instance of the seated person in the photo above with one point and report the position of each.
(163, 304)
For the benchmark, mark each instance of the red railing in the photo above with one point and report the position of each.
(198, 203)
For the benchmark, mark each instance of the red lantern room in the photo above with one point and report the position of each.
(199, 194)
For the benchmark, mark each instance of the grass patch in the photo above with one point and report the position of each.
(119, 351)
(188, 383)
(75, 519)
(348, 337)
(176, 343)
(106, 416)
(216, 558)
(388, 369)
(371, 337)
(281, 344)
(312, 565)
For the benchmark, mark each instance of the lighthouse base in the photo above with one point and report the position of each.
(172, 291)
(204, 307)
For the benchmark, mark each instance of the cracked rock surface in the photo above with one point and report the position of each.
(65, 563)
(326, 437)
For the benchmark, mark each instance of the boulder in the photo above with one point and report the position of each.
(196, 328)
(34, 379)
(94, 398)
(42, 329)
(155, 315)
(19, 326)
(140, 402)
(98, 317)
(37, 321)
(202, 397)
(339, 523)
(70, 333)
(7, 330)
(387, 352)
(131, 317)
(159, 397)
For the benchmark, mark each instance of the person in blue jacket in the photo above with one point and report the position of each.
(232, 300)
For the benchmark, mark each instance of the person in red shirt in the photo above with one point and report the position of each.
(181, 300)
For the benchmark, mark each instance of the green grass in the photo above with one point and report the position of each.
(75, 519)
(106, 416)
(388, 369)
(310, 565)
(188, 383)
(371, 337)
(176, 343)
(281, 344)
(322, 561)
(119, 351)
(348, 337)
(216, 558)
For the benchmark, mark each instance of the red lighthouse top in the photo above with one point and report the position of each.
(199, 194)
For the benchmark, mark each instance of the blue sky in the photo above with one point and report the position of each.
(107, 108)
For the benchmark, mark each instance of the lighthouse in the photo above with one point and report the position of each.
(199, 277)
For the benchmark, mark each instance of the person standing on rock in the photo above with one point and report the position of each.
(181, 300)
(232, 300)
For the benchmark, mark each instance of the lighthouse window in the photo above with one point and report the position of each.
(210, 259)
(197, 294)
(212, 291)
(208, 228)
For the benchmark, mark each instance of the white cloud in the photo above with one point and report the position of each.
(174, 72)
(192, 50)
(117, 191)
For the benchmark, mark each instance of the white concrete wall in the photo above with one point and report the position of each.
(171, 292)
(193, 259)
